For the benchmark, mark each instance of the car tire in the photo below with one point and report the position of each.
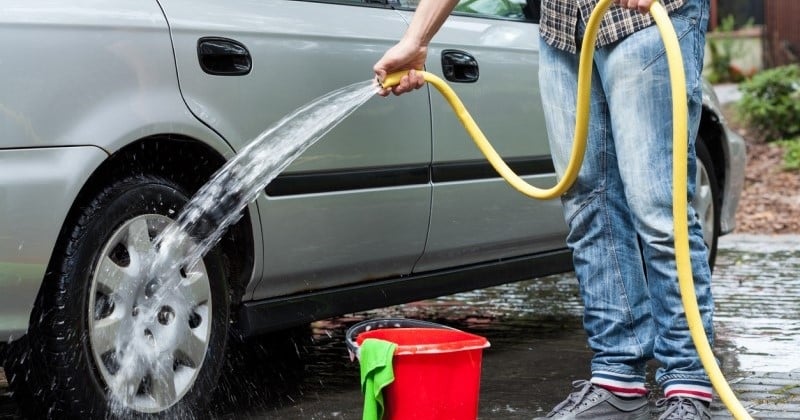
(706, 200)
(17, 369)
(84, 307)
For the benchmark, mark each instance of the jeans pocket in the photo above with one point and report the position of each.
(683, 26)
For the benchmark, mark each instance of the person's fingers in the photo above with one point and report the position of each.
(417, 79)
(404, 86)
(411, 81)
(643, 6)
(401, 57)
(380, 75)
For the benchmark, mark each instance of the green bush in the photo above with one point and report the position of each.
(791, 154)
(771, 102)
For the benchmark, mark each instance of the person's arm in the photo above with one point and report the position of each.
(412, 49)
(427, 19)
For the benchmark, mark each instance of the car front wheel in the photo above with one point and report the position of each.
(106, 340)
(706, 200)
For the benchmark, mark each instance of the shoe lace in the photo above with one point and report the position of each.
(574, 399)
(680, 408)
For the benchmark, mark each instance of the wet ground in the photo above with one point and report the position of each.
(537, 345)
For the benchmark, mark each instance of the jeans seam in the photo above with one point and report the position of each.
(699, 37)
(618, 282)
(601, 188)
(608, 230)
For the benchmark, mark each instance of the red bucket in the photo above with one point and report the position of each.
(437, 372)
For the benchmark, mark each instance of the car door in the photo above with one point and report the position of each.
(488, 52)
(356, 205)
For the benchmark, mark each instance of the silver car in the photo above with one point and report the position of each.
(112, 114)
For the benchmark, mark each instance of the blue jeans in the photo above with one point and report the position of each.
(619, 212)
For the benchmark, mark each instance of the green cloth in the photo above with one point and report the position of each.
(375, 357)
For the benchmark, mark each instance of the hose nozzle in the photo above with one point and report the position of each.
(392, 79)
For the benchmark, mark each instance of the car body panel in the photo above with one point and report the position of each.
(483, 218)
(115, 84)
(117, 75)
(37, 188)
(734, 183)
(327, 238)
(735, 153)
(82, 82)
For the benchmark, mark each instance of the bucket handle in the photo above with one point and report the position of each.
(375, 324)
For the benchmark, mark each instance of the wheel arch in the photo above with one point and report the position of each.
(188, 162)
(711, 133)
(58, 331)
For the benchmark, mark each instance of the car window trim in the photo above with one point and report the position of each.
(358, 3)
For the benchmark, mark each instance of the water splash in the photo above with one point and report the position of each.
(176, 254)
(219, 203)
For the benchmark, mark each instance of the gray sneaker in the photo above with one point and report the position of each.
(593, 402)
(681, 408)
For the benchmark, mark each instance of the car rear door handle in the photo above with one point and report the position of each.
(459, 66)
(223, 56)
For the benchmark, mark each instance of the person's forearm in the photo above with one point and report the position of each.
(428, 18)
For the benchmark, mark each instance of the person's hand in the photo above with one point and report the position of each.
(406, 55)
(643, 6)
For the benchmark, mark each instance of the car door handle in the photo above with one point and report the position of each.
(459, 66)
(223, 56)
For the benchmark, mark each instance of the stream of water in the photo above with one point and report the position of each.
(219, 203)
(205, 218)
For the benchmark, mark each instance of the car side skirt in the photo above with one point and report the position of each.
(264, 316)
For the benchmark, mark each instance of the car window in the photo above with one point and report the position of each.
(510, 9)
(526, 10)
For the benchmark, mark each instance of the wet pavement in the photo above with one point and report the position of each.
(538, 346)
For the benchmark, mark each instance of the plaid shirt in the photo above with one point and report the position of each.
(560, 17)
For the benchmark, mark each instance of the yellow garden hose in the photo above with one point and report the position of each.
(679, 171)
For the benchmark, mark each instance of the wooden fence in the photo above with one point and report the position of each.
(781, 32)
